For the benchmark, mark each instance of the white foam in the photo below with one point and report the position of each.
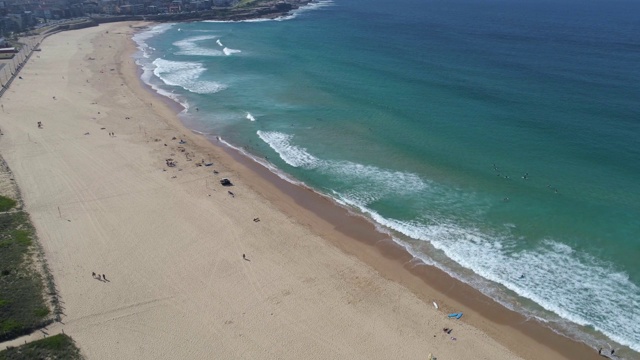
(192, 46)
(186, 75)
(141, 38)
(574, 285)
(228, 51)
(250, 117)
(147, 74)
(368, 183)
(291, 154)
(263, 162)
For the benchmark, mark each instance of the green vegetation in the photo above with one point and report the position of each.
(6, 203)
(22, 303)
(54, 347)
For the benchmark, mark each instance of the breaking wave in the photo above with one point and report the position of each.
(186, 75)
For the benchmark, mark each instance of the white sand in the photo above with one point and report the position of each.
(172, 247)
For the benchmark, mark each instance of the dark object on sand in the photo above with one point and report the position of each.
(226, 182)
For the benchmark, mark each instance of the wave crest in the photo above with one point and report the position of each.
(186, 75)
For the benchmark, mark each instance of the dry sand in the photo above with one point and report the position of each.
(171, 240)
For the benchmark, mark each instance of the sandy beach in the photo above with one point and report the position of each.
(314, 283)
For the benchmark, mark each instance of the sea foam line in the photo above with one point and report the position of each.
(561, 280)
(263, 162)
(573, 285)
(370, 183)
(141, 38)
(147, 74)
(191, 46)
(186, 75)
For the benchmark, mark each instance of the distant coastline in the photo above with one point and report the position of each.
(269, 9)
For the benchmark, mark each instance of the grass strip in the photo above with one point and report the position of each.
(6, 204)
(55, 347)
(23, 307)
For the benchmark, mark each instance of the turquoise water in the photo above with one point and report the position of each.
(497, 140)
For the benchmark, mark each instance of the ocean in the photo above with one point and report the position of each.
(497, 140)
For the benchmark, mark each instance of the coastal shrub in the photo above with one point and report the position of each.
(42, 312)
(6, 203)
(9, 325)
(59, 346)
(22, 236)
(23, 308)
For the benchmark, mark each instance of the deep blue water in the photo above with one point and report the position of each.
(498, 140)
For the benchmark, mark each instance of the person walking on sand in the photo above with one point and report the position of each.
(104, 277)
(244, 257)
(93, 274)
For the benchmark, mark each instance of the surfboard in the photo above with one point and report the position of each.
(455, 315)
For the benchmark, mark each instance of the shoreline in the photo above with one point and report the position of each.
(356, 235)
(160, 263)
